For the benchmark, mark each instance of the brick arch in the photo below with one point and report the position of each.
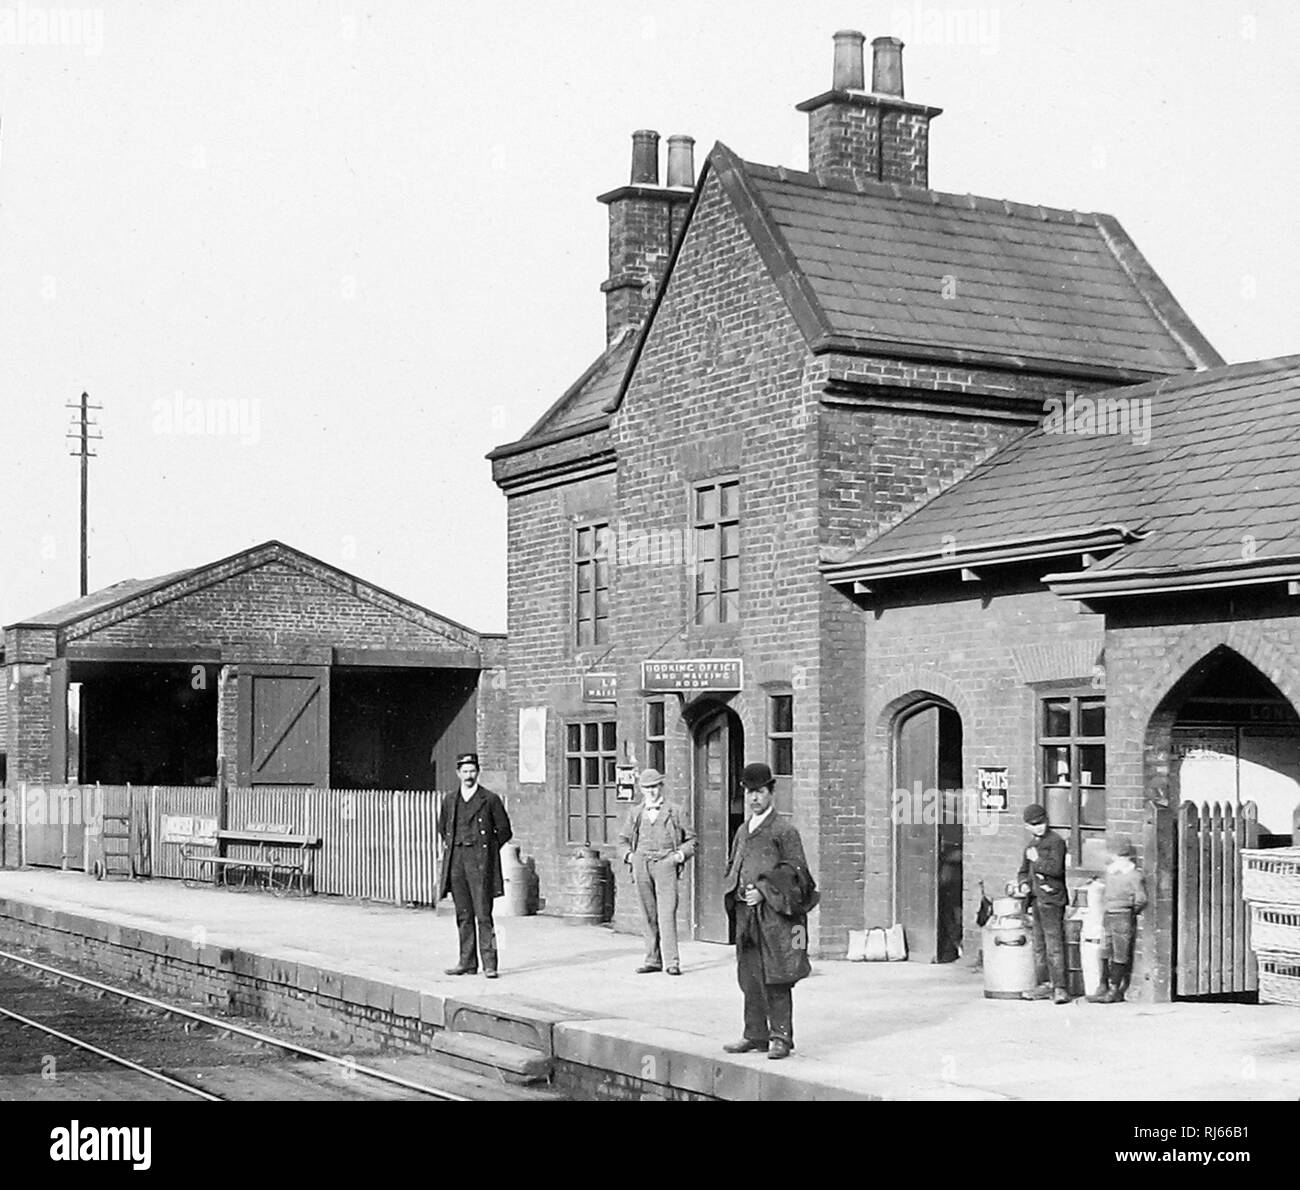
(911, 685)
(1244, 639)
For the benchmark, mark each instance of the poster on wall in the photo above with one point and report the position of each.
(532, 745)
(994, 788)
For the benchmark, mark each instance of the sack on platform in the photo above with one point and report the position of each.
(877, 945)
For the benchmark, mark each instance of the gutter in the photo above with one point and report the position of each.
(996, 553)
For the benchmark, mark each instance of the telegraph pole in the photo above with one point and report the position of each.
(80, 434)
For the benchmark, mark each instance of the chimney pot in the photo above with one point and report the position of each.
(848, 70)
(681, 161)
(645, 158)
(887, 66)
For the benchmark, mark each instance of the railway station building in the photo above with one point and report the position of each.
(835, 496)
(268, 668)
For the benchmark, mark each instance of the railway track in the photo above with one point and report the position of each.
(64, 1035)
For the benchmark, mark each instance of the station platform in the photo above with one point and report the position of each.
(898, 1031)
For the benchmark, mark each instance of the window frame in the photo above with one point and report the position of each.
(656, 745)
(1076, 829)
(581, 563)
(784, 781)
(710, 609)
(606, 759)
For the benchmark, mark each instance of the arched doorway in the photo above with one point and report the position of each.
(928, 829)
(1233, 745)
(719, 751)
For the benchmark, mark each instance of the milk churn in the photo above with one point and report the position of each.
(1008, 951)
(585, 892)
(517, 878)
(1092, 940)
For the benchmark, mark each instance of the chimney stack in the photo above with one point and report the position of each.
(644, 220)
(875, 136)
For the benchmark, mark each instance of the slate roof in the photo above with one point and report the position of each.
(884, 268)
(586, 399)
(1212, 482)
(76, 609)
(897, 271)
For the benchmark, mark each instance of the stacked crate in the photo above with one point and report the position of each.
(1270, 882)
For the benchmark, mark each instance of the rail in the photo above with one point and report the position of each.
(352, 1067)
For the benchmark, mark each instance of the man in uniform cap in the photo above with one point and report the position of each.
(474, 826)
(769, 893)
(656, 842)
(1042, 878)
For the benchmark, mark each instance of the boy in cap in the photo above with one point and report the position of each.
(770, 892)
(656, 843)
(1125, 898)
(474, 826)
(1042, 877)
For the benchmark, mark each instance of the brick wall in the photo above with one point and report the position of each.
(1146, 658)
(544, 662)
(492, 727)
(964, 647)
(272, 605)
(719, 392)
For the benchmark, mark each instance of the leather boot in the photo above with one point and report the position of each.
(1103, 988)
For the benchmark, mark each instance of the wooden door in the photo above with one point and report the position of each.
(928, 834)
(719, 810)
(284, 725)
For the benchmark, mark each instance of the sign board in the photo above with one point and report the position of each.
(625, 782)
(993, 787)
(600, 687)
(700, 673)
(189, 828)
(532, 745)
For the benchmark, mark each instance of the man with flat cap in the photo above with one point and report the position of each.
(769, 892)
(656, 841)
(1042, 879)
(474, 826)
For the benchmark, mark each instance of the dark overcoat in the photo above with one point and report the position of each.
(491, 827)
(772, 859)
(1047, 885)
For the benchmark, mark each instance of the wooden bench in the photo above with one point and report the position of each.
(262, 836)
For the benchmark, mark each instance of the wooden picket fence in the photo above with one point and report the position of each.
(378, 845)
(1213, 920)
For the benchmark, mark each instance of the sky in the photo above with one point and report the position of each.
(315, 260)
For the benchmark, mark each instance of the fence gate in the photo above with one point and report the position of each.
(1213, 922)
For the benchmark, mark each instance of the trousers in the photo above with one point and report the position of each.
(473, 900)
(1049, 944)
(656, 883)
(769, 1007)
(1119, 933)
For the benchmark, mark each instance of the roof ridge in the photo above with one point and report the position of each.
(917, 194)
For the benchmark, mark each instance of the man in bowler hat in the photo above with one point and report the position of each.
(1042, 878)
(656, 842)
(474, 826)
(770, 892)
